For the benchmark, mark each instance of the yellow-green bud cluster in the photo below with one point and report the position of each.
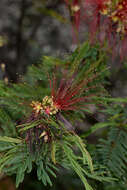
(49, 106)
(37, 106)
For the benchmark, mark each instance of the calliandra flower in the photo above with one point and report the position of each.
(50, 109)
(108, 22)
(67, 96)
(48, 106)
(119, 16)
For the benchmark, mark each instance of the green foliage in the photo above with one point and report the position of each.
(35, 139)
(112, 151)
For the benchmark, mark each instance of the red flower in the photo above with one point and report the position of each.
(68, 94)
(107, 20)
(119, 16)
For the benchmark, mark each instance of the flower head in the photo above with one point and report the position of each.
(48, 105)
(64, 97)
(119, 16)
(107, 20)
(68, 94)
